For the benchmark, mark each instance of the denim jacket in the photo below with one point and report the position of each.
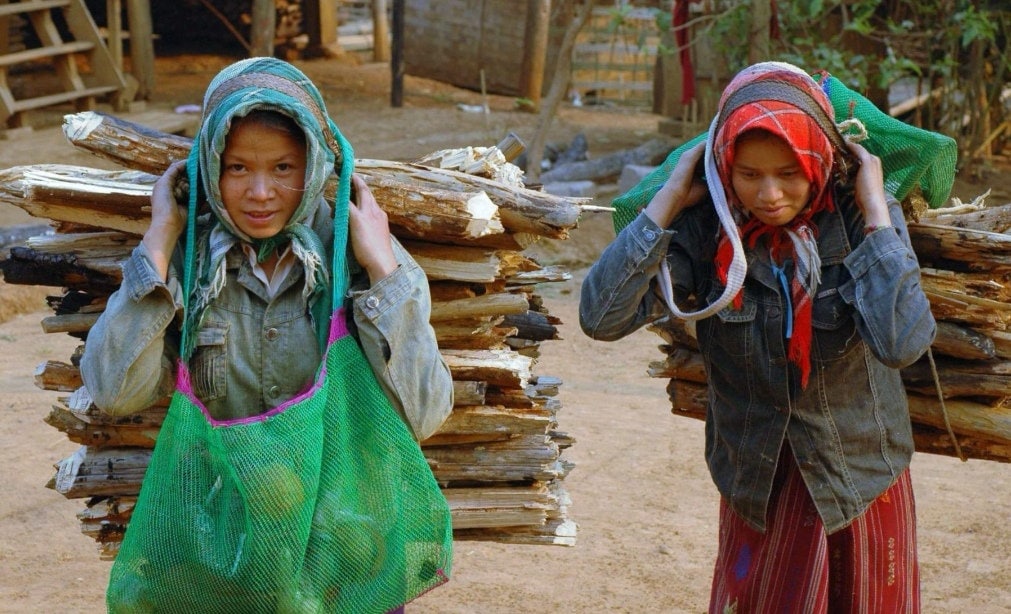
(849, 429)
(253, 353)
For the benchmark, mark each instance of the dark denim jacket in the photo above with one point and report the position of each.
(849, 428)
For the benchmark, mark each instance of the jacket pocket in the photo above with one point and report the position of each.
(834, 330)
(208, 365)
(731, 331)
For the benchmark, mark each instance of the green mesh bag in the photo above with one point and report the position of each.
(911, 157)
(324, 504)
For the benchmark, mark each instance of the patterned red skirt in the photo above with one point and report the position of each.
(795, 566)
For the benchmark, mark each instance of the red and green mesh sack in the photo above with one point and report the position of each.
(911, 157)
(324, 504)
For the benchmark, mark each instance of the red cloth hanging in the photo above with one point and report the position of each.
(679, 17)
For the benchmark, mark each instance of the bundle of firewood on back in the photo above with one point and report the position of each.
(959, 392)
(498, 457)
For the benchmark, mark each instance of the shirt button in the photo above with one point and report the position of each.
(774, 312)
(274, 391)
(372, 302)
(272, 334)
(649, 234)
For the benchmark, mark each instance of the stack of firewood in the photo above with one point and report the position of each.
(959, 393)
(498, 457)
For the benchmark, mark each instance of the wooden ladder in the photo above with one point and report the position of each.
(104, 80)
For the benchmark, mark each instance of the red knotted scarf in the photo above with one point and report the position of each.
(764, 108)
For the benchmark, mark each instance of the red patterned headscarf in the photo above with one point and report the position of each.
(783, 100)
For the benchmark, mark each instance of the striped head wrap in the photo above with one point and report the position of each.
(262, 84)
(785, 101)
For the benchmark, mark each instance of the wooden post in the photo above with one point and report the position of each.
(559, 86)
(535, 48)
(114, 31)
(261, 37)
(380, 32)
(141, 45)
(320, 23)
(397, 61)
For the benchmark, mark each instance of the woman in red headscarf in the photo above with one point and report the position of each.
(808, 436)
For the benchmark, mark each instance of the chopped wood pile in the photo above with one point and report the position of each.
(960, 392)
(499, 457)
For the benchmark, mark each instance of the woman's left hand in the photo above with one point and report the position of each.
(870, 188)
(370, 232)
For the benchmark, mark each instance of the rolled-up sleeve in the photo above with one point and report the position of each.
(392, 320)
(893, 313)
(127, 364)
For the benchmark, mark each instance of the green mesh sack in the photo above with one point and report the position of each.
(911, 157)
(324, 504)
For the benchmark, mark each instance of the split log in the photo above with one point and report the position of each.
(979, 285)
(963, 342)
(487, 422)
(467, 264)
(117, 140)
(959, 249)
(966, 417)
(522, 210)
(113, 200)
(85, 245)
(454, 335)
(468, 392)
(960, 378)
(502, 368)
(989, 219)
(546, 274)
(27, 267)
(533, 325)
(970, 310)
(523, 457)
(106, 434)
(73, 323)
(938, 441)
(556, 533)
(58, 376)
(500, 507)
(1001, 342)
(489, 304)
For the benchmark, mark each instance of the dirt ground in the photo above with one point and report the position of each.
(641, 495)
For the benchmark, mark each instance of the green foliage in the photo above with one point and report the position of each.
(957, 47)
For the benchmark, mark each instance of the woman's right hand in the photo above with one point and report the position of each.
(683, 189)
(168, 218)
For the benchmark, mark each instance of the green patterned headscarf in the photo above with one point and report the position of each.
(263, 84)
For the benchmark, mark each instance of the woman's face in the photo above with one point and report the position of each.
(262, 177)
(768, 179)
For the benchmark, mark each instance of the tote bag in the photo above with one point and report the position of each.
(323, 504)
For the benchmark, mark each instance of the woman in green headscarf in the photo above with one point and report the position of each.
(259, 308)
(282, 478)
